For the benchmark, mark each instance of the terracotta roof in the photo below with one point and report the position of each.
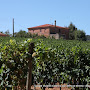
(47, 25)
(1, 34)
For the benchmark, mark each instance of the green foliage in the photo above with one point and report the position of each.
(14, 60)
(21, 34)
(63, 61)
(80, 35)
(71, 32)
(1, 32)
(72, 35)
(7, 33)
(72, 27)
(61, 64)
(76, 34)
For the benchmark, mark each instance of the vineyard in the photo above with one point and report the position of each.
(63, 61)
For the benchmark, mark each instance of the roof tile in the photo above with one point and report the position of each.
(47, 25)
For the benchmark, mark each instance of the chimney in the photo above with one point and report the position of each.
(55, 23)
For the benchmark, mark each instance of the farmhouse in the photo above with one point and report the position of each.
(4, 35)
(49, 30)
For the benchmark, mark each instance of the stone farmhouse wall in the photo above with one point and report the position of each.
(51, 32)
(45, 32)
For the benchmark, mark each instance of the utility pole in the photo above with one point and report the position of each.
(13, 27)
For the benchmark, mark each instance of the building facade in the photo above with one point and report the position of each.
(49, 30)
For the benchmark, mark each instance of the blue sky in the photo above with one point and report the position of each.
(29, 13)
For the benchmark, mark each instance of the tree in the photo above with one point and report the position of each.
(21, 34)
(72, 28)
(7, 33)
(80, 35)
(75, 33)
(1, 31)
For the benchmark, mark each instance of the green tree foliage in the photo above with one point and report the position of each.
(8, 33)
(72, 27)
(71, 32)
(71, 35)
(1, 32)
(75, 33)
(80, 35)
(21, 34)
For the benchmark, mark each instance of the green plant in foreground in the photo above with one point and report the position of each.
(53, 61)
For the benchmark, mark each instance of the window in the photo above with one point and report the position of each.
(52, 33)
(59, 30)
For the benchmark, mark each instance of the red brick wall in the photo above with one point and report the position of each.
(44, 32)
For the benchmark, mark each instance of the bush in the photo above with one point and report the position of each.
(80, 35)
